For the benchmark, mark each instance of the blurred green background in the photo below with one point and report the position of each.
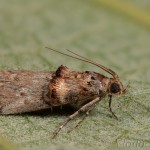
(115, 33)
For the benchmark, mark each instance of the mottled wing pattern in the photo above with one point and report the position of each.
(72, 87)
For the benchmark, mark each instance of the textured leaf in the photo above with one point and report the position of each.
(94, 31)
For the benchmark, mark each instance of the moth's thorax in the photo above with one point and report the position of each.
(72, 87)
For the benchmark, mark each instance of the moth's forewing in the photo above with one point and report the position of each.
(74, 88)
(21, 91)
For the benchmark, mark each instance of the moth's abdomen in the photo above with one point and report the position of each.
(71, 87)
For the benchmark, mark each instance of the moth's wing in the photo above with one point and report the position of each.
(23, 92)
(74, 87)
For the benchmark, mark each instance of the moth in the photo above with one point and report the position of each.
(82, 90)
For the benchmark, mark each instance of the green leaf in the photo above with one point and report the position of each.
(6, 145)
(95, 31)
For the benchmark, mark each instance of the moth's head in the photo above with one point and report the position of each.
(116, 87)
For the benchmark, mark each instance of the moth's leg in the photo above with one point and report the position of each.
(110, 108)
(80, 121)
(71, 117)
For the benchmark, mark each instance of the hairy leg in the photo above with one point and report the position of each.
(82, 119)
(84, 108)
(110, 108)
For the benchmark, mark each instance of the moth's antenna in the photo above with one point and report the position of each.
(99, 65)
(86, 60)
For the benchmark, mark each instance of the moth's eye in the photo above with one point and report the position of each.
(115, 88)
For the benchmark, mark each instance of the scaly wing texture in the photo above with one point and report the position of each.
(73, 87)
(97, 32)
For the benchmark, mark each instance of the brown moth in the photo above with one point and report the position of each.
(82, 90)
